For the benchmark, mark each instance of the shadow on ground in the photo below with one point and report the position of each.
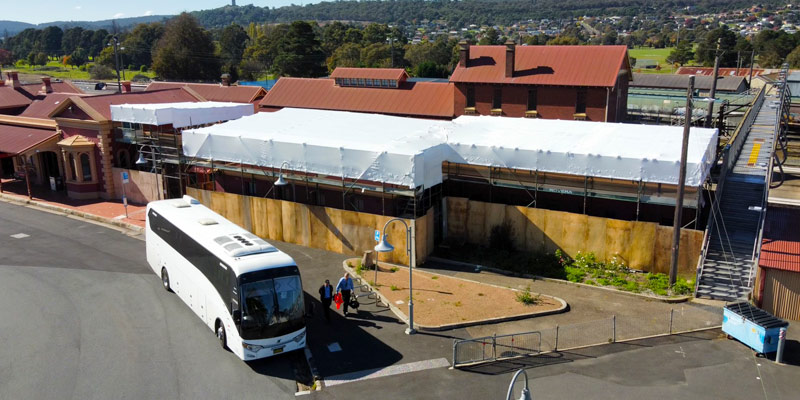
(566, 356)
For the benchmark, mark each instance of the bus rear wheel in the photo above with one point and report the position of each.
(165, 280)
(221, 335)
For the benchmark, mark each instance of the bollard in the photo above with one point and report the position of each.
(671, 313)
(614, 329)
(556, 346)
(781, 344)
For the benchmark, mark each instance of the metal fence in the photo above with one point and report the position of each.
(617, 328)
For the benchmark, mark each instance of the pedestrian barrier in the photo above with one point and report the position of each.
(617, 328)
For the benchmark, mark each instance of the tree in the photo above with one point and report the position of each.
(682, 53)
(78, 57)
(51, 40)
(428, 69)
(490, 37)
(6, 57)
(261, 54)
(232, 43)
(100, 39)
(71, 39)
(718, 41)
(772, 47)
(186, 51)
(106, 57)
(375, 33)
(347, 55)
(300, 53)
(139, 43)
(40, 58)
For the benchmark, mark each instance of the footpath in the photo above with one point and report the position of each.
(104, 211)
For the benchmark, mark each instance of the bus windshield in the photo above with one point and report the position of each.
(271, 307)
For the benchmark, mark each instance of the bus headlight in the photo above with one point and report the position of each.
(299, 337)
(252, 347)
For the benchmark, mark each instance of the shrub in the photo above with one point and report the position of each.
(99, 71)
(657, 283)
(140, 78)
(394, 288)
(683, 287)
(527, 298)
(574, 274)
(143, 68)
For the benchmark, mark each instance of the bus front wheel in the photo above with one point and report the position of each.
(221, 335)
(165, 279)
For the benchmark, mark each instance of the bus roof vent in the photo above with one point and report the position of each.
(238, 245)
(179, 203)
(207, 221)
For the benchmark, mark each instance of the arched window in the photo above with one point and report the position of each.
(72, 175)
(86, 167)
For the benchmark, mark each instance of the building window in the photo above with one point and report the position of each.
(497, 99)
(580, 101)
(532, 103)
(72, 173)
(123, 159)
(470, 97)
(86, 168)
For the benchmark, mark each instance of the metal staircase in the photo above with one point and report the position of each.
(726, 269)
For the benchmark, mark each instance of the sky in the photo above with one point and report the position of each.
(38, 11)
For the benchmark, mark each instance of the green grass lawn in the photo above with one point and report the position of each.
(57, 70)
(657, 55)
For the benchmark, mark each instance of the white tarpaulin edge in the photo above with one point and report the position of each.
(180, 115)
(410, 151)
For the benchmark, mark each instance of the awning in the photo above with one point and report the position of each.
(18, 139)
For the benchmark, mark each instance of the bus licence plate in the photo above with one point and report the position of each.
(277, 350)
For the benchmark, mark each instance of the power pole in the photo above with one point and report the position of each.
(676, 224)
(752, 55)
(713, 93)
(115, 43)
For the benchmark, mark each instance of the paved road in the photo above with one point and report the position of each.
(82, 317)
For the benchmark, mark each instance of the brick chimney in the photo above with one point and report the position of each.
(126, 86)
(13, 80)
(226, 79)
(463, 53)
(46, 86)
(510, 50)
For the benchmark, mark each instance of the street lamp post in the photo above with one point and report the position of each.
(115, 43)
(281, 181)
(385, 247)
(526, 393)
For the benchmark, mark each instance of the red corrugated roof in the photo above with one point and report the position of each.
(10, 98)
(216, 92)
(34, 89)
(102, 104)
(424, 99)
(17, 139)
(708, 71)
(780, 247)
(370, 73)
(545, 65)
(43, 108)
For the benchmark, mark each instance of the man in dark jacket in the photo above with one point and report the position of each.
(326, 296)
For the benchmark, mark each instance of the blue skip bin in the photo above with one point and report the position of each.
(752, 326)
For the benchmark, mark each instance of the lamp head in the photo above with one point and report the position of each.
(141, 160)
(281, 181)
(383, 246)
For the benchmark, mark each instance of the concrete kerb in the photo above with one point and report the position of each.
(68, 211)
(668, 300)
(435, 328)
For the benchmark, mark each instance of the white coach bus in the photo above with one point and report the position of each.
(243, 288)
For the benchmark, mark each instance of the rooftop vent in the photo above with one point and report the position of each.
(243, 244)
(207, 221)
(179, 203)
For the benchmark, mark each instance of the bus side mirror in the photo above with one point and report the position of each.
(237, 316)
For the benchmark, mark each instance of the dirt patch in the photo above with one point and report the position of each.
(444, 300)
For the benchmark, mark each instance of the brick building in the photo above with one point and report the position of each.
(551, 82)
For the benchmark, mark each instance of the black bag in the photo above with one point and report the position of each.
(354, 303)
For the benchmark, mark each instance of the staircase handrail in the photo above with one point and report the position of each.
(701, 260)
(756, 255)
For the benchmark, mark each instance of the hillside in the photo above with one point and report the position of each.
(460, 13)
(14, 27)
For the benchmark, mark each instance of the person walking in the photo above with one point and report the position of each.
(345, 287)
(326, 296)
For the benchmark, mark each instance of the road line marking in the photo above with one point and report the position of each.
(20, 236)
(387, 371)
